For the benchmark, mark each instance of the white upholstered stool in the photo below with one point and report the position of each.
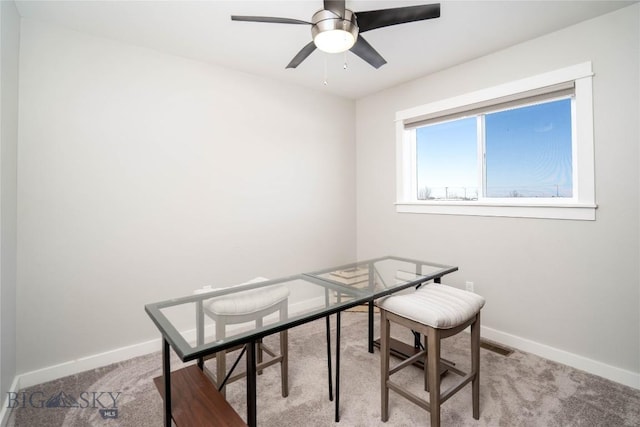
(250, 306)
(436, 311)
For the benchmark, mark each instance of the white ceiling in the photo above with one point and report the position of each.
(203, 30)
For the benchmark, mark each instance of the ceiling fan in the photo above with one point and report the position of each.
(337, 29)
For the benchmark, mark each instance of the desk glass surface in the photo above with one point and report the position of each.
(311, 296)
(382, 276)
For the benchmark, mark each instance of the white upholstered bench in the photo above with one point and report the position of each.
(252, 305)
(436, 311)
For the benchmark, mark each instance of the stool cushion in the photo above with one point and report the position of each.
(247, 302)
(436, 305)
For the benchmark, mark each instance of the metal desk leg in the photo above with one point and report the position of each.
(251, 383)
(338, 367)
(329, 357)
(370, 326)
(200, 330)
(166, 373)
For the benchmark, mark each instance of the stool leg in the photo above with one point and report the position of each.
(475, 366)
(433, 362)
(221, 358)
(384, 365)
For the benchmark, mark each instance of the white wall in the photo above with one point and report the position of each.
(143, 176)
(10, 38)
(568, 289)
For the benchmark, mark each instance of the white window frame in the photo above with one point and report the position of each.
(581, 206)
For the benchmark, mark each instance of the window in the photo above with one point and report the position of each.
(523, 149)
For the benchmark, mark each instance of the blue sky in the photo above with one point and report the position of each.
(528, 153)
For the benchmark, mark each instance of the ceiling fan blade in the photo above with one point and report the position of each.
(335, 6)
(302, 55)
(372, 19)
(365, 51)
(268, 19)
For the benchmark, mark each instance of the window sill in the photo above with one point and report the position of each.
(575, 211)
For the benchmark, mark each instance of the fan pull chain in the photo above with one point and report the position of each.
(345, 66)
(325, 70)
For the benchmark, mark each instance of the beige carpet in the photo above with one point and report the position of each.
(516, 390)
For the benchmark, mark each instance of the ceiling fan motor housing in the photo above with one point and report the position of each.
(328, 24)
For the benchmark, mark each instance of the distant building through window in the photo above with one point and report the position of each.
(523, 149)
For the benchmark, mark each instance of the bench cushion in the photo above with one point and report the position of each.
(436, 305)
(247, 302)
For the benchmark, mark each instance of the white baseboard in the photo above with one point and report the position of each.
(72, 367)
(628, 378)
(5, 411)
(94, 361)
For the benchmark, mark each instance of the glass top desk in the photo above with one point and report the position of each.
(311, 296)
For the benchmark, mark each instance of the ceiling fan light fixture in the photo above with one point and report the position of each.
(333, 34)
(334, 41)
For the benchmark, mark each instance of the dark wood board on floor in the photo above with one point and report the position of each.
(195, 401)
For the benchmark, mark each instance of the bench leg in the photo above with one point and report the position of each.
(433, 365)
